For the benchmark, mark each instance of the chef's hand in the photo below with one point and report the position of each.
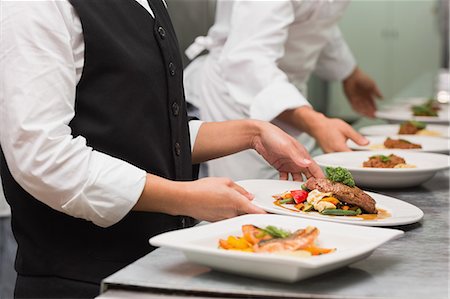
(361, 92)
(285, 153)
(218, 139)
(214, 199)
(331, 133)
(209, 199)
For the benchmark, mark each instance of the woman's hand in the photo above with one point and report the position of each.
(361, 92)
(209, 199)
(284, 153)
(214, 199)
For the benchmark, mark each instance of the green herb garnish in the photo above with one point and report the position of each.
(276, 232)
(418, 124)
(423, 110)
(340, 175)
(383, 158)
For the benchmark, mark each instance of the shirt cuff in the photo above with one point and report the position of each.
(275, 99)
(194, 127)
(113, 189)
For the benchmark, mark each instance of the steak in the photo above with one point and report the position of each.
(350, 195)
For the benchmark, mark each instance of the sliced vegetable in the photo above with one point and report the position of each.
(304, 188)
(331, 199)
(276, 232)
(287, 200)
(299, 195)
(308, 207)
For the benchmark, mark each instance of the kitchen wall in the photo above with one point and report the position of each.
(395, 42)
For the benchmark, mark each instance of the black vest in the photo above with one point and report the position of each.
(130, 105)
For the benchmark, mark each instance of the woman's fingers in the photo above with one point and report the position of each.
(242, 191)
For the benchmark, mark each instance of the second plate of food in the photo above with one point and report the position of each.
(405, 142)
(378, 209)
(407, 129)
(387, 169)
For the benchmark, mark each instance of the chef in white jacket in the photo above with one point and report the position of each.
(261, 55)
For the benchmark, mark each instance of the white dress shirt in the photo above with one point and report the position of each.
(261, 54)
(42, 58)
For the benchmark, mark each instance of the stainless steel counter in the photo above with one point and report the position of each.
(414, 266)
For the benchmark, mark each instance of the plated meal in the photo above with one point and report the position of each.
(290, 248)
(425, 110)
(383, 161)
(389, 168)
(409, 127)
(336, 195)
(409, 142)
(272, 239)
(430, 108)
(332, 201)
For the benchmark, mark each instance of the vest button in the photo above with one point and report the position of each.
(172, 68)
(175, 109)
(162, 32)
(177, 149)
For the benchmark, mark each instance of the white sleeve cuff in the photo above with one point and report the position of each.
(113, 189)
(274, 99)
(194, 127)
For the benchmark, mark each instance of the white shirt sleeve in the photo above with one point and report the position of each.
(248, 62)
(37, 93)
(336, 61)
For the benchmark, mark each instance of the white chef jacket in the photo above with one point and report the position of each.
(261, 54)
(42, 58)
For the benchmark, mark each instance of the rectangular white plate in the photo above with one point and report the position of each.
(200, 245)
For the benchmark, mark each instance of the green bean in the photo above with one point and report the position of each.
(287, 200)
(339, 212)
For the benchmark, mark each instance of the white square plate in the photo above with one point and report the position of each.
(200, 245)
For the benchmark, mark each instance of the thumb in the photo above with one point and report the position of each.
(250, 208)
(377, 92)
(356, 137)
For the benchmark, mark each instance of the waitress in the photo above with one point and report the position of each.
(261, 55)
(97, 151)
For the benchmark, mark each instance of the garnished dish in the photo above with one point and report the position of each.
(414, 127)
(281, 239)
(429, 108)
(336, 195)
(391, 161)
(400, 144)
(408, 127)
(272, 239)
(403, 142)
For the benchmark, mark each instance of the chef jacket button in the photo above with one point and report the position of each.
(175, 109)
(177, 149)
(162, 32)
(172, 68)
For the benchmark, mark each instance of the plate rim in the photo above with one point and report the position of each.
(401, 221)
(314, 263)
(387, 170)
